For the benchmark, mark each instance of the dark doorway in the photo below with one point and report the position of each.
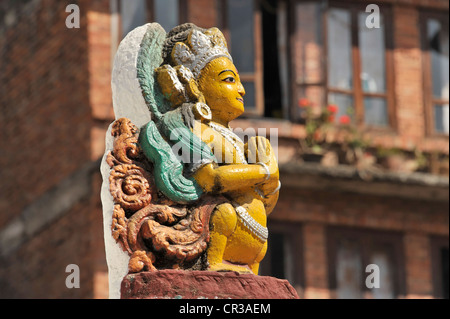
(272, 87)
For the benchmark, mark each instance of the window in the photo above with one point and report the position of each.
(435, 43)
(168, 13)
(339, 60)
(351, 251)
(283, 257)
(241, 25)
(133, 14)
(308, 76)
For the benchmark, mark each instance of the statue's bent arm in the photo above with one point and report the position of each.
(230, 178)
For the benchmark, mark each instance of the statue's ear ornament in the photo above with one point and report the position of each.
(200, 49)
(202, 111)
(179, 86)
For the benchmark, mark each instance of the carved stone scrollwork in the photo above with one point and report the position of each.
(130, 187)
(153, 230)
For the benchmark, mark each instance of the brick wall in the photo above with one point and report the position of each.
(100, 67)
(418, 265)
(203, 13)
(408, 73)
(46, 117)
(54, 93)
(417, 222)
(367, 211)
(37, 269)
(315, 261)
(435, 4)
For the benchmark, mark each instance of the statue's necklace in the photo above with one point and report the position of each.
(230, 137)
(251, 224)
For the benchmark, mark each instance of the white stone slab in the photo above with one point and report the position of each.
(127, 102)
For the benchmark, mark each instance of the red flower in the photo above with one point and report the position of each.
(303, 102)
(345, 120)
(332, 108)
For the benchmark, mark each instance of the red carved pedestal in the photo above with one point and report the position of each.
(204, 284)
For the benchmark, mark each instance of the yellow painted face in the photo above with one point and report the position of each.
(222, 88)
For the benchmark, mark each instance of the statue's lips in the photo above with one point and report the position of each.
(240, 100)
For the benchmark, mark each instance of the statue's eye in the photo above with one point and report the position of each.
(229, 79)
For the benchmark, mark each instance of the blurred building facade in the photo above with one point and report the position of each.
(331, 221)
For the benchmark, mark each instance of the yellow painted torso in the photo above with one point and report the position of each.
(243, 247)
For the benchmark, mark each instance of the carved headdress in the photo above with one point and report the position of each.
(199, 49)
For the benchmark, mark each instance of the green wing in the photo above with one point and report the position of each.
(168, 170)
(149, 58)
(154, 136)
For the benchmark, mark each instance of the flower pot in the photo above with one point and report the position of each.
(312, 157)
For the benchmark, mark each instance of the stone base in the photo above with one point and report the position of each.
(177, 284)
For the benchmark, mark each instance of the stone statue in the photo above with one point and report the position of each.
(188, 193)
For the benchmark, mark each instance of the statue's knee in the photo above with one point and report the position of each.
(261, 254)
(224, 219)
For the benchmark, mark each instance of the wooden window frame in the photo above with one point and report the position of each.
(257, 76)
(356, 92)
(296, 84)
(368, 239)
(428, 99)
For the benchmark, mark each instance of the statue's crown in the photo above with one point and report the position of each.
(201, 48)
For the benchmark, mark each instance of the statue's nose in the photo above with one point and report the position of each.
(241, 89)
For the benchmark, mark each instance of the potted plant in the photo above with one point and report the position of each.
(317, 123)
(354, 147)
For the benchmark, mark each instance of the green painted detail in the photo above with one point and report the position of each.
(167, 167)
(149, 58)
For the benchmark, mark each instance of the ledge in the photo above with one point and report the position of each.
(386, 138)
(374, 182)
(286, 129)
(51, 205)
